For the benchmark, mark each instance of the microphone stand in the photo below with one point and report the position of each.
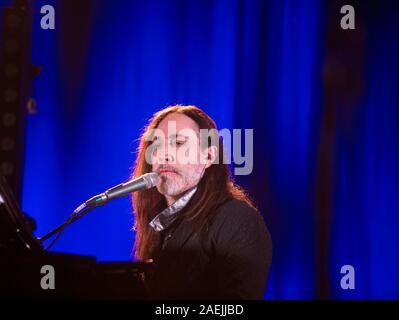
(75, 216)
(146, 181)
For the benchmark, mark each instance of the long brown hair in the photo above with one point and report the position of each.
(214, 188)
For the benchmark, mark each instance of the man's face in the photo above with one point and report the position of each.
(176, 155)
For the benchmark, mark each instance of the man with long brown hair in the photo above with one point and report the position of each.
(204, 235)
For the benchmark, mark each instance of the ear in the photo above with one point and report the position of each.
(212, 154)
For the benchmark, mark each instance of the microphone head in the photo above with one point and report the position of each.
(151, 179)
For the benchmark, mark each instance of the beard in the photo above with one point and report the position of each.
(177, 183)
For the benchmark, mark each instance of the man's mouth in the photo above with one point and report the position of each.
(166, 171)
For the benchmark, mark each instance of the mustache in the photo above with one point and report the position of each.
(166, 167)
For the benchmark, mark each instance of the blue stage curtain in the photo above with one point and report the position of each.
(365, 225)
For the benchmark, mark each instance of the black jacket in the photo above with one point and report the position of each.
(230, 261)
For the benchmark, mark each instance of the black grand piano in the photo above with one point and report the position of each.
(24, 265)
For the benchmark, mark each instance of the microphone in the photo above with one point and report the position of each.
(146, 181)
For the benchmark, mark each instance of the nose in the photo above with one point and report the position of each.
(164, 155)
(167, 158)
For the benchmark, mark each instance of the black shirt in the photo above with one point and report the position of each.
(230, 261)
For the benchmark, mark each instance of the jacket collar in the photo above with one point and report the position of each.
(166, 217)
